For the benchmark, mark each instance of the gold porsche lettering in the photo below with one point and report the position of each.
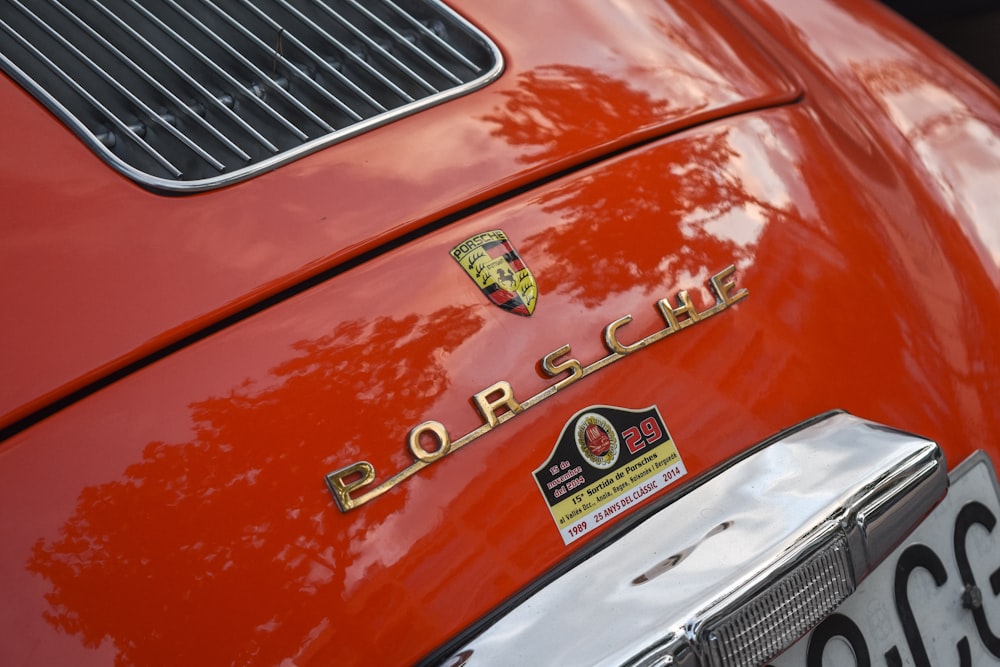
(725, 289)
(496, 404)
(348, 479)
(504, 398)
(611, 337)
(571, 366)
(684, 315)
(434, 431)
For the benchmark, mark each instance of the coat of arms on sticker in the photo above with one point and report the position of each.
(492, 262)
(607, 461)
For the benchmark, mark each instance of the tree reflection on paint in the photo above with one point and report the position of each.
(200, 554)
(684, 217)
(543, 111)
(614, 244)
(607, 244)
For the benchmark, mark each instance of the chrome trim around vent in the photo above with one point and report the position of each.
(188, 95)
(733, 572)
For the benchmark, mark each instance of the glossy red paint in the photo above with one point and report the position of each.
(179, 515)
(96, 272)
(929, 109)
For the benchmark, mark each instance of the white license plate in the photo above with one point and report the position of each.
(934, 601)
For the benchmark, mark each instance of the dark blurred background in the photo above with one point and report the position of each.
(970, 28)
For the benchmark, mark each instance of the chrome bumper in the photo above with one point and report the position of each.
(738, 568)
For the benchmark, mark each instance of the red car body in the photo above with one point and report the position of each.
(180, 373)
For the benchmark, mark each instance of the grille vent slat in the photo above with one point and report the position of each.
(214, 101)
(237, 90)
(382, 51)
(278, 54)
(121, 89)
(350, 56)
(430, 34)
(270, 84)
(187, 95)
(150, 80)
(318, 59)
(84, 95)
(400, 38)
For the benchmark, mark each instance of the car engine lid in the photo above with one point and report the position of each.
(99, 275)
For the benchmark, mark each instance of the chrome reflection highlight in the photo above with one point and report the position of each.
(740, 567)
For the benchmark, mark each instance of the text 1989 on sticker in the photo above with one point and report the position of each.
(607, 460)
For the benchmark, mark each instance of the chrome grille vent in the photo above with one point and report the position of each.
(193, 94)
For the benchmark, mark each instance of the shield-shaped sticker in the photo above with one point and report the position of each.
(494, 265)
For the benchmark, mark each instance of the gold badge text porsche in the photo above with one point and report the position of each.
(496, 404)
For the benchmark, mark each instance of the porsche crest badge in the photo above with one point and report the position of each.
(493, 264)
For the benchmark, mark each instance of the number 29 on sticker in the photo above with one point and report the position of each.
(634, 439)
